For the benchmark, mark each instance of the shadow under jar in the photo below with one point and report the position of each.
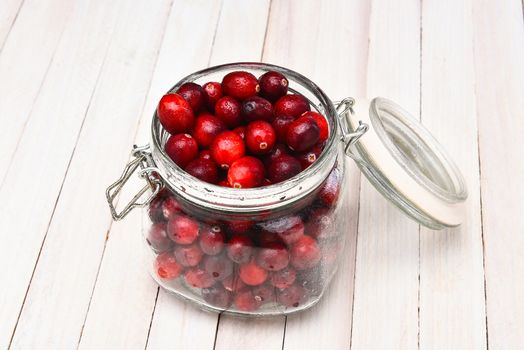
(273, 250)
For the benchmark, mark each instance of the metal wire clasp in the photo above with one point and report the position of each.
(141, 159)
(348, 136)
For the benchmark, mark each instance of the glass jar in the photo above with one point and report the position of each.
(274, 250)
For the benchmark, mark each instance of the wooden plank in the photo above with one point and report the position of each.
(9, 10)
(499, 73)
(61, 287)
(386, 285)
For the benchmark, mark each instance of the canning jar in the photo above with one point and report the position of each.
(274, 250)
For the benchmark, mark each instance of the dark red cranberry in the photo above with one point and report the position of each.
(266, 182)
(155, 209)
(289, 228)
(198, 278)
(330, 190)
(278, 150)
(257, 108)
(218, 266)
(264, 238)
(233, 283)
(227, 109)
(218, 296)
(291, 106)
(273, 257)
(246, 172)
(171, 208)
(240, 249)
(252, 274)
(226, 148)
(281, 124)
(181, 148)
(239, 227)
(167, 267)
(188, 255)
(240, 85)
(283, 278)
(293, 296)
(158, 239)
(305, 253)
(260, 137)
(264, 293)
(205, 154)
(309, 157)
(241, 131)
(283, 168)
(182, 229)
(245, 300)
(193, 94)
(203, 169)
(223, 183)
(212, 239)
(273, 85)
(322, 124)
(320, 223)
(175, 114)
(213, 91)
(302, 134)
(207, 127)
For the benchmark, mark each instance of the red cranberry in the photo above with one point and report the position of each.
(233, 283)
(273, 85)
(203, 169)
(265, 238)
(302, 134)
(257, 108)
(227, 109)
(207, 127)
(198, 278)
(321, 123)
(188, 255)
(330, 190)
(213, 91)
(240, 85)
(252, 274)
(247, 172)
(240, 249)
(205, 154)
(223, 183)
(283, 278)
(167, 267)
(241, 131)
(182, 229)
(226, 148)
(283, 168)
(218, 266)
(278, 150)
(273, 257)
(264, 293)
(217, 296)
(181, 148)
(155, 209)
(245, 300)
(289, 228)
(309, 157)
(175, 114)
(158, 239)
(320, 223)
(212, 239)
(260, 137)
(305, 253)
(193, 94)
(281, 124)
(291, 106)
(293, 296)
(239, 227)
(171, 208)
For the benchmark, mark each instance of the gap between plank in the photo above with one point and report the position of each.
(12, 25)
(355, 264)
(151, 320)
(421, 30)
(215, 33)
(265, 36)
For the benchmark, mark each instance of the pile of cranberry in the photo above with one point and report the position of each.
(242, 133)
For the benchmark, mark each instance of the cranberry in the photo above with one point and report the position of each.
(241, 131)
(227, 109)
(175, 114)
(205, 154)
(289, 228)
(281, 124)
(247, 172)
(260, 137)
(283, 278)
(293, 296)
(188, 255)
(182, 229)
(264, 293)
(320, 223)
(252, 274)
(291, 106)
(212, 239)
(213, 91)
(321, 123)
(278, 150)
(155, 209)
(167, 267)
(265, 238)
(257, 108)
(223, 183)
(245, 300)
(207, 127)
(171, 208)
(198, 278)
(273, 257)
(181, 148)
(309, 157)
(305, 253)
(240, 85)
(218, 266)
(203, 169)
(330, 190)
(273, 85)
(158, 239)
(233, 283)
(217, 296)
(240, 249)
(239, 227)
(283, 168)
(302, 134)
(226, 148)
(193, 94)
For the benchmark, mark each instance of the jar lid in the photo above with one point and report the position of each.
(404, 162)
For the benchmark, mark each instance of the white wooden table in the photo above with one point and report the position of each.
(79, 80)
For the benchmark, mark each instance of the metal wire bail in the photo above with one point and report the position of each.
(348, 136)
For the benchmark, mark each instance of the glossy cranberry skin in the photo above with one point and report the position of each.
(264, 293)
(218, 296)
(305, 253)
(321, 123)
(273, 257)
(212, 240)
(291, 106)
(283, 168)
(175, 114)
(288, 228)
(194, 95)
(281, 124)
(188, 256)
(198, 278)
(218, 266)
(240, 85)
(227, 148)
(233, 283)
(293, 296)
(283, 278)
(181, 148)
(302, 134)
(245, 300)
(158, 238)
(309, 157)
(252, 274)
(207, 127)
(278, 150)
(273, 85)
(182, 229)
(330, 190)
(203, 169)
(240, 249)
(260, 137)
(213, 92)
(205, 154)
(166, 266)
(155, 209)
(247, 172)
(320, 223)
(241, 131)
(170, 208)
(228, 109)
(257, 108)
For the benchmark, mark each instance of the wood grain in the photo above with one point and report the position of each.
(9, 10)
